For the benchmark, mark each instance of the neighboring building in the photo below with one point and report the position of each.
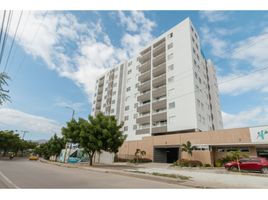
(168, 95)
(209, 145)
(168, 87)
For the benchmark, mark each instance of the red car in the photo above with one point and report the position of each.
(249, 164)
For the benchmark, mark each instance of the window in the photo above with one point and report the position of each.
(127, 98)
(125, 128)
(202, 106)
(170, 56)
(114, 93)
(130, 63)
(199, 117)
(112, 111)
(135, 116)
(194, 50)
(137, 67)
(193, 40)
(244, 149)
(128, 89)
(195, 63)
(171, 91)
(172, 120)
(128, 80)
(170, 67)
(171, 79)
(170, 35)
(192, 28)
(170, 46)
(129, 71)
(195, 74)
(134, 127)
(171, 105)
(200, 81)
(127, 108)
(220, 149)
(137, 85)
(198, 102)
(113, 101)
(126, 117)
(135, 105)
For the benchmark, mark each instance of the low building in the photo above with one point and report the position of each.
(209, 145)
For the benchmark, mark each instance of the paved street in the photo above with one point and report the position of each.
(22, 173)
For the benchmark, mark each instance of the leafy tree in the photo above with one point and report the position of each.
(72, 131)
(56, 144)
(9, 141)
(188, 148)
(236, 155)
(95, 134)
(139, 154)
(4, 93)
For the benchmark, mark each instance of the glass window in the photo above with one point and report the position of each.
(128, 89)
(170, 67)
(170, 56)
(171, 79)
(127, 108)
(220, 149)
(125, 128)
(170, 46)
(171, 105)
(126, 117)
(134, 127)
(129, 71)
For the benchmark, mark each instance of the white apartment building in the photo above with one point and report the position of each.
(169, 87)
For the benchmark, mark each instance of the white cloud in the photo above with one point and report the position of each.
(251, 117)
(218, 45)
(77, 106)
(18, 120)
(252, 50)
(214, 16)
(92, 51)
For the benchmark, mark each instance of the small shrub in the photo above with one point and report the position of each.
(140, 160)
(207, 165)
(219, 163)
(189, 163)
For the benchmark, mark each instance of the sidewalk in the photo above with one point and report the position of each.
(188, 177)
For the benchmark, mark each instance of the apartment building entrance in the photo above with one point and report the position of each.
(166, 154)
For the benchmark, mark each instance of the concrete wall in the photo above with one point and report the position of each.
(238, 137)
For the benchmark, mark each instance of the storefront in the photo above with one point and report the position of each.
(209, 145)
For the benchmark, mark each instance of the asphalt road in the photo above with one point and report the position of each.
(21, 173)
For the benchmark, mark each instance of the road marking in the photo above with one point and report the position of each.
(10, 183)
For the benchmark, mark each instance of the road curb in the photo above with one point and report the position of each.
(146, 176)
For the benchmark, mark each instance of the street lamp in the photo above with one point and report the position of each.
(66, 142)
(72, 110)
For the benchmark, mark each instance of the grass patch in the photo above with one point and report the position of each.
(140, 172)
(172, 176)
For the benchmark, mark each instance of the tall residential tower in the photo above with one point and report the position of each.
(168, 87)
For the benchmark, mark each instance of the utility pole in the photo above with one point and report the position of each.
(65, 153)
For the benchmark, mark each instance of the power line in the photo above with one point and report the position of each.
(19, 38)
(14, 37)
(6, 34)
(35, 34)
(2, 26)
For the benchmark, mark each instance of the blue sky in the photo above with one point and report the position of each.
(58, 55)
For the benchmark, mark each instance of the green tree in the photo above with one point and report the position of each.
(95, 134)
(9, 142)
(55, 144)
(188, 148)
(3, 92)
(139, 154)
(236, 155)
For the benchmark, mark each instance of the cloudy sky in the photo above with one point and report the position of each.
(57, 56)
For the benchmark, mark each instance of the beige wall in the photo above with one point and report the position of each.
(238, 136)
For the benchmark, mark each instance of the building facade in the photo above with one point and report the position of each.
(168, 87)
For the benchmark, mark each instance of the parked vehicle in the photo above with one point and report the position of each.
(249, 164)
(33, 157)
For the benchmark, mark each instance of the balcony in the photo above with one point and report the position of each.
(159, 81)
(158, 43)
(158, 92)
(145, 57)
(143, 119)
(156, 130)
(145, 76)
(144, 108)
(144, 96)
(159, 59)
(161, 104)
(159, 116)
(99, 97)
(143, 131)
(145, 67)
(145, 51)
(159, 49)
(145, 86)
(160, 69)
